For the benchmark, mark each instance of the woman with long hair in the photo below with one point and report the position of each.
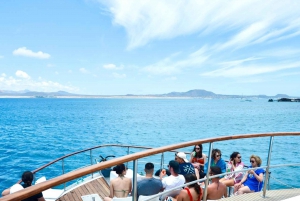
(234, 164)
(253, 179)
(121, 186)
(198, 159)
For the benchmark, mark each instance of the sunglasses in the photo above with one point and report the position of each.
(219, 155)
(251, 161)
(239, 157)
(197, 148)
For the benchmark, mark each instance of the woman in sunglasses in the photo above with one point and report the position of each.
(234, 164)
(216, 160)
(198, 159)
(253, 179)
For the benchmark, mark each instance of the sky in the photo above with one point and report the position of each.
(120, 47)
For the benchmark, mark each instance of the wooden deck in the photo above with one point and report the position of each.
(98, 186)
(271, 195)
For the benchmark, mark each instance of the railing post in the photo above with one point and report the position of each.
(162, 161)
(207, 171)
(91, 161)
(63, 171)
(268, 165)
(127, 154)
(134, 178)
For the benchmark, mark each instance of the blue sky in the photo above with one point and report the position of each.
(150, 47)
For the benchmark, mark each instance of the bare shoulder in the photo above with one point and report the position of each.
(127, 179)
(182, 195)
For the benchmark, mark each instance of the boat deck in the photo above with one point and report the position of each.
(98, 186)
(271, 195)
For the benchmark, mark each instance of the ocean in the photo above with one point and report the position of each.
(35, 131)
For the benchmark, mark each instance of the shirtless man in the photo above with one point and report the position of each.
(216, 189)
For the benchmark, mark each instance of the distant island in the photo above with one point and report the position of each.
(196, 93)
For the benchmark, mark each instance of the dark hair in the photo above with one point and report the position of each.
(157, 173)
(190, 178)
(214, 151)
(175, 166)
(233, 156)
(215, 170)
(120, 168)
(27, 178)
(198, 154)
(149, 167)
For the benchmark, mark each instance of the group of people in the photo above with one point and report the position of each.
(251, 181)
(181, 171)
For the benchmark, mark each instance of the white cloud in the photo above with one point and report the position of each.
(281, 52)
(248, 70)
(22, 74)
(117, 75)
(113, 67)
(15, 83)
(3, 75)
(250, 21)
(83, 70)
(23, 51)
(173, 65)
(1, 57)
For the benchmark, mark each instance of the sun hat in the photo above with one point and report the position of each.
(182, 156)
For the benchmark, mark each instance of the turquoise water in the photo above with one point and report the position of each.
(34, 132)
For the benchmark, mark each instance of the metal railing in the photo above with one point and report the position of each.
(30, 191)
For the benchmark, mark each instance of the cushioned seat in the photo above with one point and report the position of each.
(91, 197)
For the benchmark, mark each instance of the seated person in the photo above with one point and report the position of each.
(253, 179)
(185, 166)
(198, 159)
(27, 178)
(216, 190)
(216, 160)
(121, 186)
(234, 164)
(149, 185)
(192, 192)
(174, 180)
(157, 173)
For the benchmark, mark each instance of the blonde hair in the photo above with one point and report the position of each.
(257, 159)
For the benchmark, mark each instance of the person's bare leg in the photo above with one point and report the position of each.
(244, 189)
(197, 173)
(6, 192)
(107, 199)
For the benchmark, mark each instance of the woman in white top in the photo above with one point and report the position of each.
(234, 164)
